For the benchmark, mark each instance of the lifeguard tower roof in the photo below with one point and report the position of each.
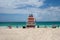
(30, 15)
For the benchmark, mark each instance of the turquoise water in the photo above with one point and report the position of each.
(41, 24)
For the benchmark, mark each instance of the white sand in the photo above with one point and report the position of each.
(30, 34)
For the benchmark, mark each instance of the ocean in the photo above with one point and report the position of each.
(21, 24)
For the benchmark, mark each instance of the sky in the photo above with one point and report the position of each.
(18, 10)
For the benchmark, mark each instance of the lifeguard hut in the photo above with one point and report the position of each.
(31, 21)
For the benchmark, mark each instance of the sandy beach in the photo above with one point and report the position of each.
(29, 34)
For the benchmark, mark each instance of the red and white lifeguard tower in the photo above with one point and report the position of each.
(31, 21)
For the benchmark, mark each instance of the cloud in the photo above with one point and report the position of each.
(19, 6)
(35, 3)
(7, 3)
(50, 13)
(20, 3)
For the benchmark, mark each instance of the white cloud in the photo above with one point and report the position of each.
(30, 2)
(51, 13)
(13, 3)
(7, 3)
